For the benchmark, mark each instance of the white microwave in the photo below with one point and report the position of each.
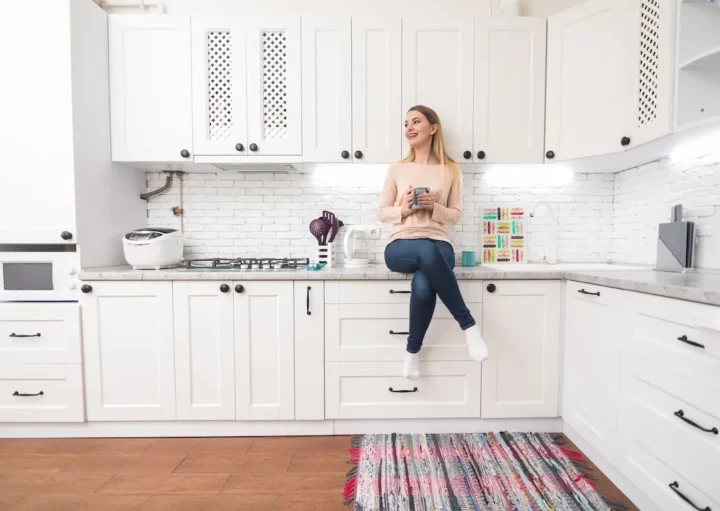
(46, 273)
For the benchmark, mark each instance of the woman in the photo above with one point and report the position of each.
(419, 243)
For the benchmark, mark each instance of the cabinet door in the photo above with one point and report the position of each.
(218, 80)
(587, 77)
(509, 90)
(326, 90)
(521, 324)
(204, 361)
(273, 86)
(438, 73)
(150, 89)
(264, 351)
(309, 350)
(651, 74)
(377, 116)
(128, 345)
(593, 335)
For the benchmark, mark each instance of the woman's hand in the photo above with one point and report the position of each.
(427, 200)
(407, 202)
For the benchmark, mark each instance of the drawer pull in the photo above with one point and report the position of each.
(307, 304)
(588, 292)
(393, 292)
(674, 487)
(24, 335)
(393, 332)
(403, 391)
(681, 415)
(691, 343)
(18, 394)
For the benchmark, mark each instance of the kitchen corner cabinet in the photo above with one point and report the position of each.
(594, 335)
(204, 350)
(521, 325)
(150, 88)
(128, 347)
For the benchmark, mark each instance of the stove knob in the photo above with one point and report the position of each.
(239, 288)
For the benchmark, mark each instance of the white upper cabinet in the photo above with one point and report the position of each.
(326, 82)
(377, 114)
(587, 80)
(437, 71)
(150, 88)
(273, 86)
(509, 90)
(218, 80)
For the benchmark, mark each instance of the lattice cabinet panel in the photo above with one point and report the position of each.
(649, 61)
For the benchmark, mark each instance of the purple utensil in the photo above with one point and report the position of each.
(318, 228)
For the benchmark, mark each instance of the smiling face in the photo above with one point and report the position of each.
(418, 130)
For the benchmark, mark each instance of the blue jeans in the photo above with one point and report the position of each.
(432, 262)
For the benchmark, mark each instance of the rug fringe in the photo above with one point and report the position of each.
(351, 475)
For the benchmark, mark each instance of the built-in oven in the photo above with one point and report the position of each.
(39, 273)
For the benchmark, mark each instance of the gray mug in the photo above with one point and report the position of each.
(416, 192)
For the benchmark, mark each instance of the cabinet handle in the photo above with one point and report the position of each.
(674, 487)
(393, 292)
(308, 301)
(691, 343)
(224, 288)
(491, 288)
(18, 394)
(467, 155)
(625, 141)
(239, 148)
(588, 292)
(239, 288)
(86, 288)
(253, 147)
(393, 332)
(358, 155)
(681, 415)
(345, 155)
(550, 155)
(481, 155)
(185, 153)
(403, 391)
(66, 235)
(24, 335)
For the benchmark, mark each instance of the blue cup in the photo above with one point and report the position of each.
(468, 258)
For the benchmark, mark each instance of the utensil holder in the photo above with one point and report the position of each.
(326, 254)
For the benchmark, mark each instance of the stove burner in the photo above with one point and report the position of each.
(247, 264)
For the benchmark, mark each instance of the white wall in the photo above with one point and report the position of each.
(548, 7)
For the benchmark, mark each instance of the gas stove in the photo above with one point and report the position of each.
(246, 264)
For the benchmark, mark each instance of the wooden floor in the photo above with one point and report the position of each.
(198, 474)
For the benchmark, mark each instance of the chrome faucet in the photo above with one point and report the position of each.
(551, 235)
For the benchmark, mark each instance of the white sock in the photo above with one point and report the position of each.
(411, 369)
(476, 344)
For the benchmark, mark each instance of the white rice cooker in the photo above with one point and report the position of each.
(153, 248)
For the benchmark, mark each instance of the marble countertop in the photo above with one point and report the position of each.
(696, 286)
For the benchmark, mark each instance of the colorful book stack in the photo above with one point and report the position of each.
(503, 235)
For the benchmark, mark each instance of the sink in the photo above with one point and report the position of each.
(560, 267)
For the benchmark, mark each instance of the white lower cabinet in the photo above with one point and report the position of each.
(521, 325)
(309, 350)
(593, 338)
(128, 345)
(375, 390)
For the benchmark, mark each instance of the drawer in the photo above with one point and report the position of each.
(594, 294)
(59, 387)
(389, 291)
(660, 424)
(40, 333)
(362, 390)
(366, 333)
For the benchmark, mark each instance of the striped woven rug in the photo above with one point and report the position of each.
(473, 472)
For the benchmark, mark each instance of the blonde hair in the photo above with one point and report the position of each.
(438, 149)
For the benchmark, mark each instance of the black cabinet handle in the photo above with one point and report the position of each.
(681, 415)
(393, 292)
(625, 141)
(481, 155)
(403, 391)
(308, 301)
(253, 147)
(393, 332)
(674, 487)
(185, 153)
(467, 155)
(18, 394)
(239, 148)
(66, 235)
(358, 155)
(550, 155)
(24, 335)
(691, 343)
(239, 288)
(491, 288)
(86, 288)
(588, 292)
(224, 288)
(345, 155)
